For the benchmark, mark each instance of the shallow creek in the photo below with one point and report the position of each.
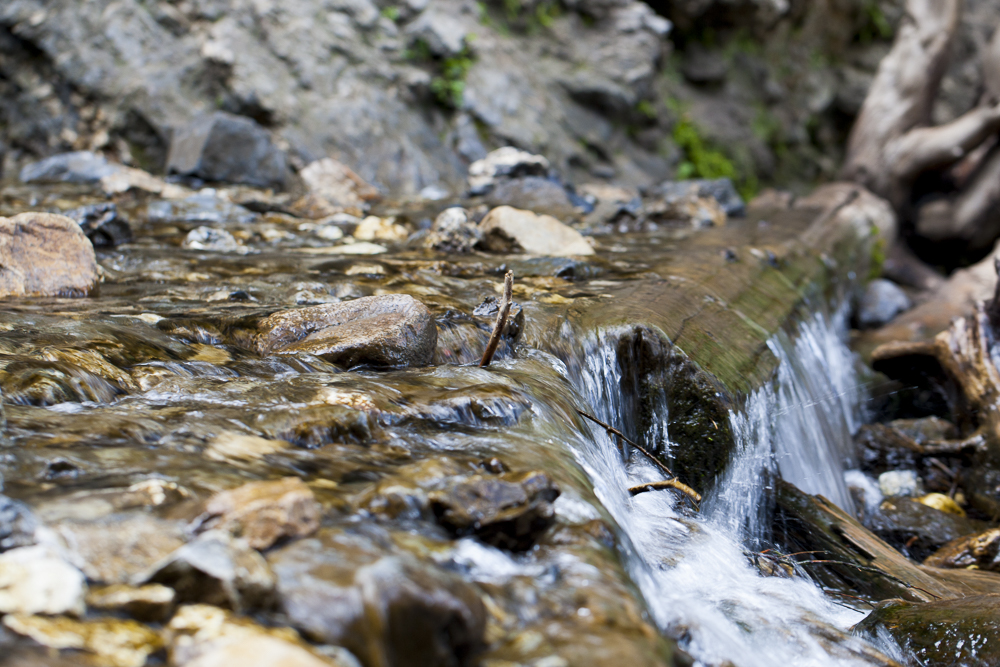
(104, 394)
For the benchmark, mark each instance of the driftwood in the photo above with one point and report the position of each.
(501, 322)
(893, 143)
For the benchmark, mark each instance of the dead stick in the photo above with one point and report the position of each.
(498, 326)
(611, 430)
(674, 484)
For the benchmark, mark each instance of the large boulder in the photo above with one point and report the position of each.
(507, 229)
(387, 330)
(223, 147)
(43, 254)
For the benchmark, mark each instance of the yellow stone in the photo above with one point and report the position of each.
(939, 501)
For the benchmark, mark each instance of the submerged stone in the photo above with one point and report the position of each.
(42, 254)
(264, 512)
(390, 330)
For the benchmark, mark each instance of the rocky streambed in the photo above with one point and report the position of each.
(253, 428)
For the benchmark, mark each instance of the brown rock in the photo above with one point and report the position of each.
(264, 512)
(42, 254)
(387, 330)
(153, 602)
(112, 642)
(980, 551)
(507, 229)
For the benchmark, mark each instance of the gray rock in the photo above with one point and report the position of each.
(453, 231)
(224, 147)
(507, 162)
(507, 229)
(215, 569)
(339, 588)
(532, 193)
(881, 302)
(213, 240)
(703, 66)
(17, 524)
(102, 223)
(33, 580)
(442, 32)
(389, 330)
(42, 254)
(76, 167)
(204, 206)
(721, 190)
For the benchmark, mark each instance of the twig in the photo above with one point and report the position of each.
(498, 326)
(612, 431)
(873, 570)
(673, 483)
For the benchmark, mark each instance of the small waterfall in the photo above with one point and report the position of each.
(693, 570)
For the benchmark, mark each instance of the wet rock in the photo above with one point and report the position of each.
(687, 210)
(980, 551)
(374, 228)
(116, 548)
(152, 603)
(506, 162)
(223, 147)
(17, 524)
(899, 483)
(487, 311)
(92, 505)
(944, 632)
(334, 187)
(319, 425)
(916, 529)
(112, 642)
(453, 231)
(943, 503)
(389, 330)
(213, 240)
(102, 223)
(204, 206)
(33, 580)
(532, 193)
(42, 254)
(509, 512)
(339, 588)
(76, 167)
(507, 229)
(206, 636)
(883, 448)
(232, 446)
(721, 190)
(264, 512)
(880, 303)
(217, 569)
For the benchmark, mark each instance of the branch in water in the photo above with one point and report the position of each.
(674, 484)
(612, 431)
(498, 326)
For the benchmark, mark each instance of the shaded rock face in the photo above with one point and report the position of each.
(102, 223)
(507, 229)
(224, 147)
(533, 193)
(509, 512)
(17, 524)
(387, 610)
(389, 330)
(981, 550)
(42, 254)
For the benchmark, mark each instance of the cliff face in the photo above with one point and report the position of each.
(409, 94)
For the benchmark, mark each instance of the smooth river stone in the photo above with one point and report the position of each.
(43, 254)
(390, 330)
(507, 229)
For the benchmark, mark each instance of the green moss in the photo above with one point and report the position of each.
(391, 13)
(874, 25)
(646, 108)
(449, 86)
(700, 160)
(878, 258)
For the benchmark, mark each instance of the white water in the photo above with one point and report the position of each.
(692, 568)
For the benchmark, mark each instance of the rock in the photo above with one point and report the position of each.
(42, 254)
(881, 302)
(102, 224)
(374, 228)
(882, 448)
(204, 206)
(917, 529)
(703, 66)
(339, 588)
(507, 229)
(440, 30)
(487, 311)
(980, 551)
(17, 524)
(942, 503)
(509, 512)
(114, 642)
(124, 179)
(697, 212)
(721, 190)
(213, 240)
(206, 636)
(33, 580)
(388, 330)
(115, 548)
(152, 603)
(232, 446)
(506, 162)
(334, 186)
(453, 231)
(76, 167)
(899, 483)
(264, 512)
(944, 632)
(532, 193)
(223, 147)
(216, 568)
